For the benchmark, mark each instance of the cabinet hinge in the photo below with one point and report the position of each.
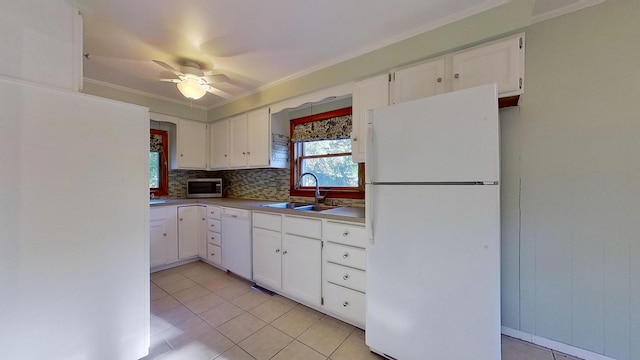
(520, 83)
(521, 44)
(321, 301)
(394, 75)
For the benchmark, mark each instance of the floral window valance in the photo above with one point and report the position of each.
(155, 144)
(338, 127)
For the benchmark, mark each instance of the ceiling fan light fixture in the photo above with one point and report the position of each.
(191, 89)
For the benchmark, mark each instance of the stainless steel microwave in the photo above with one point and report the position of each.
(204, 188)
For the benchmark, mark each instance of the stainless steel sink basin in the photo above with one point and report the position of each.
(288, 205)
(300, 206)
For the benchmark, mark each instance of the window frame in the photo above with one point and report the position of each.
(164, 165)
(296, 149)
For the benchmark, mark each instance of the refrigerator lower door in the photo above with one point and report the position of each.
(433, 272)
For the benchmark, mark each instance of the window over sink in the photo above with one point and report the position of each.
(320, 144)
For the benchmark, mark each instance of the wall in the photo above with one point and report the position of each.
(571, 179)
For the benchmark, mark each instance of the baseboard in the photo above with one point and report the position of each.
(554, 345)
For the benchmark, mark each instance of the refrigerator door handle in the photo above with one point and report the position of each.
(368, 216)
(368, 145)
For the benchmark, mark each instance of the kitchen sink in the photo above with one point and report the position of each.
(300, 206)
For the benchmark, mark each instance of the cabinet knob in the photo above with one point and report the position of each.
(345, 255)
(355, 139)
(203, 219)
(284, 252)
(181, 155)
(456, 76)
(248, 152)
(225, 155)
(244, 153)
(180, 219)
(213, 254)
(277, 251)
(345, 277)
(165, 234)
(439, 79)
(345, 304)
(345, 234)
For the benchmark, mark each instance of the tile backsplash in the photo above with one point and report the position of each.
(260, 184)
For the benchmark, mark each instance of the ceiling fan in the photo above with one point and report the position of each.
(192, 82)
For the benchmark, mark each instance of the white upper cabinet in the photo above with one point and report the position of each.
(219, 145)
(501, 62)
(191, 144)
(41, 42)
(418, 81)
(256, 139)
(367, 94)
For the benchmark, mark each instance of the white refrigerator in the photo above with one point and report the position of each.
(433, 268)
(74, 225)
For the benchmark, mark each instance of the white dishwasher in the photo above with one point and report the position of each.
(236, 242)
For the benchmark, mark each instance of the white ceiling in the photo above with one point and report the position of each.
(256, 43)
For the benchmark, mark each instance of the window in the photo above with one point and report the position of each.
(321, 145)
(158, 163)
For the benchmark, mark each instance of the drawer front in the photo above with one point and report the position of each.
(346, 234)
(346, 255)
(267, 221)
(345, 302)
(214, 225)
(214, 254)
(214, 238)
(157, 213)
(213, 212)
(311, 228)
(345, 276)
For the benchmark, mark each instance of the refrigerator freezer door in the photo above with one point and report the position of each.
(433, 272)
(451, 137)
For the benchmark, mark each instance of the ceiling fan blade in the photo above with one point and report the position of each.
(167, 66)
(217, 78)
(175, 81)
(218, 92)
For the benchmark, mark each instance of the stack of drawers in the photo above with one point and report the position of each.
(214, 237)
(344, 267)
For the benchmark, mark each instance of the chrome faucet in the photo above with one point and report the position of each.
(317, 194)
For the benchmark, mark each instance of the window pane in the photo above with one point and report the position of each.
(327, 147)
(331, 171)
(154, 170)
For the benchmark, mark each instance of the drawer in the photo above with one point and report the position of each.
(311, 228)
(346, 255)
(267, 221)
(157, 213)
(345, 302)
(346, 234)
(213, 212)
(214, 238)
(345, 276)
(214, 254)
(214, 225)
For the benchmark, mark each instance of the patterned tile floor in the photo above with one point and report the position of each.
(199, 312)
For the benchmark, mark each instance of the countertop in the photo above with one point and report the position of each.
(344, 213)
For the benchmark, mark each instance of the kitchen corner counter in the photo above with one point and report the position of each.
(341, 213)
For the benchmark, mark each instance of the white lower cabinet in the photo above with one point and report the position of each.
(213, 243)
(191, 230)
(163, 236)
(287, 253)
(344, 270)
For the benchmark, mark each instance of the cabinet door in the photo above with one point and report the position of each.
(219, 155)
(267, 269)
(191, 221)
(238, 139)
(367, 94)
(192, 145)
(157, 243)
(258, 138)
(500, 62)
(415, 82)
(302, 268)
